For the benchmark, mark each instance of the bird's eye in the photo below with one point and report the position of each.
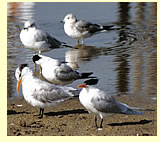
(68, 17)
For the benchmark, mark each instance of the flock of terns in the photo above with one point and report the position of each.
(44, 93)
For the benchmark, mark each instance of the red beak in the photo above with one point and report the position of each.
(82, 86)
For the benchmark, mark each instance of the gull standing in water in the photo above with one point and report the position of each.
(38, 40)
(98, 102)
(40, 93)
(58, 72)
(80, 29)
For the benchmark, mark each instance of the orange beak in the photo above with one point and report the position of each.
(82, 86)
(18, 85)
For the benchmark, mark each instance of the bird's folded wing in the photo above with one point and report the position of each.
(41, 36)
(48, 94)
(84, 26)
(53, 41)
(106, 104)
(65, 72)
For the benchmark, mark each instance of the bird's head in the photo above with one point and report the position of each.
(69, 18)
(29, 24)
(36, 59)
(87, 83)
(20, 71)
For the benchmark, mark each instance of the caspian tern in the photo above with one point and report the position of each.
(40, 93)
(38, 40)
(58, 72)
(80, 29)
(98, 102)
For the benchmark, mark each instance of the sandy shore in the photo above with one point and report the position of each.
(71, 119)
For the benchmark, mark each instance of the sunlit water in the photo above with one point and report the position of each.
(124, 60)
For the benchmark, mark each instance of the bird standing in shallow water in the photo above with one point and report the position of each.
(40, 93)
(80, 29)
(38, 40)
(98, 102)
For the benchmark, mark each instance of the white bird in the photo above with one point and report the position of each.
(98, 102)
(38, 40)
(38, 92)
(58, 72)
(80, 29)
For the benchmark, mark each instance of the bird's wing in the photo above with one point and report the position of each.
(41, 36)
(64, 73)
(53, 41)
(47, 93)
(105, 103)
(84, 26)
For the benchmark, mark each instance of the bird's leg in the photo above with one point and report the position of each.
(35, 67)
(95, 119)
(40, 69)
(82, 41)
(41, 113)
(101, 123)
(78, 41)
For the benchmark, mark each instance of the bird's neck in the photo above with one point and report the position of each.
(32, 29)
(28, 75)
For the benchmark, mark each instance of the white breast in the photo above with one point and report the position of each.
(27, 38)
(71, 31)
(85, 97)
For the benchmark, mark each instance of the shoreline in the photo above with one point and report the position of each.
(71, 119)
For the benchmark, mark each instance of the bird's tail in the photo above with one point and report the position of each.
(110, 27)
(125, 109)
(63, 44)
(134, 111)
(86, 75)
(72, 92)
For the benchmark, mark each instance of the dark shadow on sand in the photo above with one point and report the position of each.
(13, 112)
(141, 122)
(66, 112)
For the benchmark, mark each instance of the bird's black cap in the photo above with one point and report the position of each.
(91, 81)
(21, 66)
(35, 58)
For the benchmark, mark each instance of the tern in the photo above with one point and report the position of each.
(98, 102)
(40, 93)
(58, 72)
(80, 29)
(38, 40)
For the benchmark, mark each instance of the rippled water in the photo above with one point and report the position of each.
(124, 60)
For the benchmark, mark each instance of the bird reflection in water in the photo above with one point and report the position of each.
(81, 53)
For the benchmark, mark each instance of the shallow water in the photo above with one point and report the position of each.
(124, 60)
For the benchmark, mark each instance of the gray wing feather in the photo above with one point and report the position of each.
(106, 104)
(65, 72)
(84, 26)
(41, 36)
(48, 93)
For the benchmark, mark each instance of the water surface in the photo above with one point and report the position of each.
(124, 60)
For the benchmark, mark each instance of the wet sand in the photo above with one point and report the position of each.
(71, 119)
